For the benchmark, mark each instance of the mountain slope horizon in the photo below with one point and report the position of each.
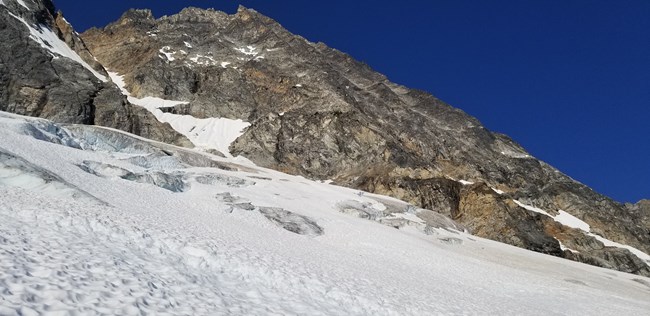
(311, 110)
(554, 87)
(209, 163)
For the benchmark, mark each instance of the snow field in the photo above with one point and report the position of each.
(140, 248)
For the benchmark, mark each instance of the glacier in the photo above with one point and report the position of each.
(98, 221)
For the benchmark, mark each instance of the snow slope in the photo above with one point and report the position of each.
(211, 133)
(45, 37)
(96, 221)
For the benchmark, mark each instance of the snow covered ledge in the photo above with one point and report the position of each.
(45, 37)
(209, 133)
(569, 220)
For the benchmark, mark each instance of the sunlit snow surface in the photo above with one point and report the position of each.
(248, 50)
(169, 55)
(567, 219)
(22, 3)
(139, 247)
(532, 208)
(215, 133)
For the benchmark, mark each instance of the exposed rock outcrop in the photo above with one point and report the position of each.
(47, 71)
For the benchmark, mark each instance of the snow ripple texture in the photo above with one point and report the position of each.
(54, 261)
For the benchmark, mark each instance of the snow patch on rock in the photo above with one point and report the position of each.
(209, 133)
(203, 60)
(514, 154)
(167, 53)
(216, 133)
(45, 37)
(569, 220)
(497, 191)
(22, 3)
(532, 208)
(563, 247)
(609, 243)
(248, 50)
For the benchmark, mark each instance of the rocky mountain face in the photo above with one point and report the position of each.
(317, 112)
(641, 211)
(47, 71)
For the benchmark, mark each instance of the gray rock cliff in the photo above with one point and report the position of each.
(42, 73)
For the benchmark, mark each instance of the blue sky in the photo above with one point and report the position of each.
(569, 80)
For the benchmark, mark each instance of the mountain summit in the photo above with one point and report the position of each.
(242, 85)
